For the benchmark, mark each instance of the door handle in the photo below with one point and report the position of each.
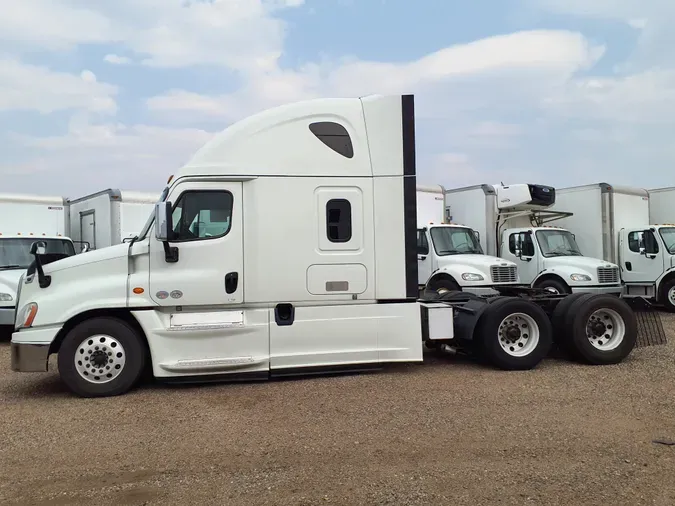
(231, 281)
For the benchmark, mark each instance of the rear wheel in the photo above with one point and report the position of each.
(558, 319)
(101, 357)
(514, 334)
(600, 329)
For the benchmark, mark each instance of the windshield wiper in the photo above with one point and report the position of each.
(11, 266)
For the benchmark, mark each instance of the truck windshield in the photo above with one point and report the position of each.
(455, 241)
(557, 243)
(668, 236)
(15, 251)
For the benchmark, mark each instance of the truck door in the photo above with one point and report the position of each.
(88, 228)
(207, 225)
(641, 258)
(519, 247)
(424, 257)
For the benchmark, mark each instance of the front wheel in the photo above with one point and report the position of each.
(555, 286)
(668, 295)
(101, 357)
(514, 334)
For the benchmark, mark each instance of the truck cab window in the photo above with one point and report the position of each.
(668, 236)
(202, 215)
(422, 243)
(642, 239)
(339, 220)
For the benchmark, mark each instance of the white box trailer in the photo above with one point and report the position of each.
(662, 205)
(613, 222)
(25, 219)
(108, 217)
(449, 255)
(513, 224)
(294, 254)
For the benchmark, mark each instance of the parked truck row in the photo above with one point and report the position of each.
(289, 245)
(66, 227)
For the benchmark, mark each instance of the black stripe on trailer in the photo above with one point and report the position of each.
(409, 195)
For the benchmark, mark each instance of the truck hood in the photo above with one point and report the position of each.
(579, 262)
(93, 256)
(480, 262)
(9, 281)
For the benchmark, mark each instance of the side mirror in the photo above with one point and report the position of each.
(477, 235)
(163, 221)
(164, 229)
(85, 247)
(38, 248)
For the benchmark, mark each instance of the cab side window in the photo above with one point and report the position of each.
(202, 215)
(422, 243)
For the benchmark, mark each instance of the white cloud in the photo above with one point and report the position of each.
(539, 55)
(37, 88)
(240, 34)
(113, 155)
(116, 59)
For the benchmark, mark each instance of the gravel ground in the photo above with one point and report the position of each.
(447, 432)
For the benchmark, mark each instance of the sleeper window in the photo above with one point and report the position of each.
(339, 220)
(202, 215)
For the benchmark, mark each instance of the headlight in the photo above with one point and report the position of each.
(6, 297)
(27, 315)
(580, 277)
(470, 276)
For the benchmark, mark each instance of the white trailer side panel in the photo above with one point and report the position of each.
(662, 206)
(586, 223)
(430, 205)
(474, 208)
(90, 220)
(32, 214)
(134, 209)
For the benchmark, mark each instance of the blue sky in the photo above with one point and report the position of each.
(97, 94)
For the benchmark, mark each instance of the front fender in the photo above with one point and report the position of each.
(565, 271)
(455, 271)
(77, 289)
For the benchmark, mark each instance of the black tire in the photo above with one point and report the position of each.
(560, 313)
(666, 295)
(557, 284)
(445, 284)
(489, 337)
(578, 317)
(129, 372)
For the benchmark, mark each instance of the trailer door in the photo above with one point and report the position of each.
(88, 227)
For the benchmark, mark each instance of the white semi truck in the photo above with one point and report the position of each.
(286, 245)
(512, 221)
(450, 256)
(662, 205)
(107, 217)
(614, 223)
(23, 219)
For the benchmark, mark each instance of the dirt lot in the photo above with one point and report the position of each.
(447, 432)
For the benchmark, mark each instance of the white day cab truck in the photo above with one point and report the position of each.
(23, 219)
(110, 216)
(613, 222)
(230, 282)
(512, 222)
(450, 256)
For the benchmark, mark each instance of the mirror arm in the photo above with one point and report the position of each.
(170, 253)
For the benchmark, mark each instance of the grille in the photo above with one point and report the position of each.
(608, 274)
(504, 274)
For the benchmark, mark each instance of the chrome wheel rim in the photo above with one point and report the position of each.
(100, 359)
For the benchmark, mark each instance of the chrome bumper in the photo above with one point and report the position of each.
(29, 357)
(7, 316)
(609, 290)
